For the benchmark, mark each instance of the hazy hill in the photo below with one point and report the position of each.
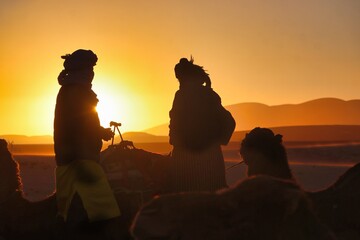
(142, 137)
(324, 111)
(160, 130)
(47, 139)
(22, 139)
(325, 133)
(317, 120)
(318, 133)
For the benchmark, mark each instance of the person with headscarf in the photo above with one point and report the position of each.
(78, 139)
(264, 153)
(199, 125)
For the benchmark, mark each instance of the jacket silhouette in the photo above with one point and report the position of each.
(77, 130)
(199, 124)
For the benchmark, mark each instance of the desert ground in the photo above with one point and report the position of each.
(315, 166)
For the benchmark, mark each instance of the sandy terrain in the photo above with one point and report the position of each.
(37, 173)
(315, 168)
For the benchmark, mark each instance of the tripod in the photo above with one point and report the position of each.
(122, 144)
(116, 126)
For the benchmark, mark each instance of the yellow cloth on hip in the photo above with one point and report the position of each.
(88, 179)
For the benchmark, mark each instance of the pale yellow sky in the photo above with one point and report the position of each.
(272, 52)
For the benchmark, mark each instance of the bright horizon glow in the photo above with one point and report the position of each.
(112, 105)
(270, 52)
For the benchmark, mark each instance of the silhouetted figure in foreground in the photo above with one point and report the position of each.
(199, 124)
(20, 218)
(9, 172)
(78, 141)
(258, 208)
(337, 206)
(264, 153)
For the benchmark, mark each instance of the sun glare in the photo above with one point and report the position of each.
(120, 101)
(111, 106)
(108, 109)
(106, 112)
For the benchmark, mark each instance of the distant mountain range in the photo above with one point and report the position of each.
(324, 111)
(326, 119)
(318, 133)
(22, 139)
(47, 139)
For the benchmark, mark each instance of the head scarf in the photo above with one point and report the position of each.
(78, 68)
(187, 71)
(262, 140)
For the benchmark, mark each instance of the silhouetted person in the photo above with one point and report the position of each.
(78, 141)
(199, 124)
(264, 153)
(10, 181)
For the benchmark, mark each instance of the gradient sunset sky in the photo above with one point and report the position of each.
(268, 51)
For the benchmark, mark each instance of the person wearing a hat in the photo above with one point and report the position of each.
(78, 139)
(199, 125)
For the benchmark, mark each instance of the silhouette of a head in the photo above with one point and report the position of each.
(262, 140)
(187, 71)
(264, 153)
(79, 60)
(3, 144)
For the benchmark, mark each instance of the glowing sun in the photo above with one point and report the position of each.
(110, 106)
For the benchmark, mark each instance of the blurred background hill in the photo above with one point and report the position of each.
(320, 120)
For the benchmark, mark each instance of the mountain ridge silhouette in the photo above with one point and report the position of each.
(322, 111)
(295, 121)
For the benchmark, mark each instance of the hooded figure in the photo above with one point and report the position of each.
(199, 124)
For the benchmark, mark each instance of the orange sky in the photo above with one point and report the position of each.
(272, 52)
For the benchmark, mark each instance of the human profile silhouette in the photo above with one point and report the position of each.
(78, 141)
(264, 153)
(199, 124)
